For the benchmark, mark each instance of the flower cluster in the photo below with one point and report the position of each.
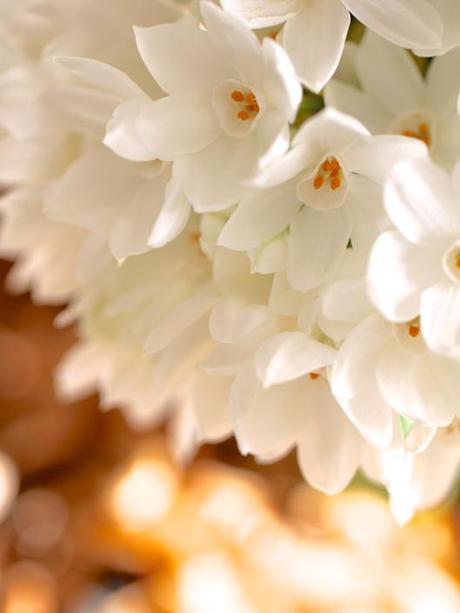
(238, 257)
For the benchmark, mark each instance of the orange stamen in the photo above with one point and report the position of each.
(414, 330)
(335, 183)
(243, 115)
(318, 182)
(313, 375)
(237, 96)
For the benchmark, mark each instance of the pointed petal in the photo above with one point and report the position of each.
(314, 39)
(388, 74)
(172, 217)
(173, 126)
(330, 448)
(233, 39)
(420, 201)
(440, 316)
(260, 216)
(232, 320)
(280, 81)
(262, 13)
(403, 22)
(316, 243)
(375, 156)
(354, 384)
(122, 135)
(102, 76)
(180, 57)
(290, 355)
(398, 273)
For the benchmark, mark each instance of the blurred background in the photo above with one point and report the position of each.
(96, 518)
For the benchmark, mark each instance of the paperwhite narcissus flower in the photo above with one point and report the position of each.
(383, 367)
(415, 269)
(267, 374)
(418, 471)
(325, 191)
(395, 98)
(315, 30)
(229, 103)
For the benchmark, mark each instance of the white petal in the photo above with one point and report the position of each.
(398, 273)
(440, 316)
(260, 216)
(316, 243)
(238, 45)
(210, 406)
(354, 384)
(449, 12)
(441, 90)
(262, 13)
(285, 168)
(92, 189)
(178, 319)
(172, 217)
(174, 126)
(213, 177)
(330, 449)
(180, 57)
(122, 135)
(346, 301)
(102, 76)
(328, 131)
(403, 22)
(369, 219)
(280, 82)
(232, 320)
(409, 384)
(388, 74)
(420, 201)
(272, 137)
(351, 101)
(271, 257)
(375, 156)
(314, 40)
(130, 231)
(270, 425)
(290, 355)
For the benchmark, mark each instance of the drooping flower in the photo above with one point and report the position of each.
(414, 270)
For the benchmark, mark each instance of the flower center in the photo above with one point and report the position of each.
(328, 174)
(413, 329)
(246, 106)
(451, 262)
(409, 336)
(417, 125)
(422, 133)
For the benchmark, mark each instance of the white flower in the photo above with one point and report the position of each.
(324, 191)
(394, 97)
(418, 471)
(415, 269)
(383, 367)
(315, 30)
(47, 254)
(144, 328)
(268, 374)
(227, 110)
